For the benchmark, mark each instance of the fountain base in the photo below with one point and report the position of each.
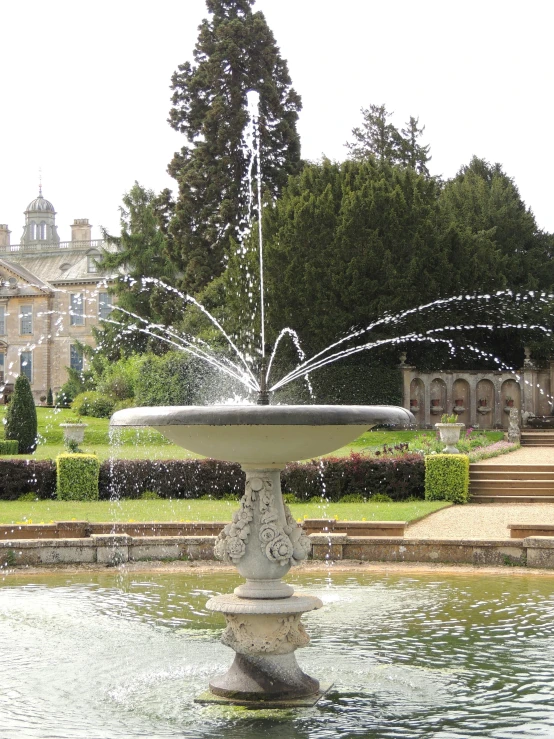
(264, 634)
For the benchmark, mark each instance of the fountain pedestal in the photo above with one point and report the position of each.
(264, 633)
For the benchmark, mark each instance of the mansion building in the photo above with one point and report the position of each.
(51, 295)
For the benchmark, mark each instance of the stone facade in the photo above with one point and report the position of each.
(480, 399)
(51, 296)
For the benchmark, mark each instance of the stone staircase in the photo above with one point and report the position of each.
(537, 437)
(511, 483)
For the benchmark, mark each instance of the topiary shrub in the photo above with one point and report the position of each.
(21, 417)
(93, 404)
(77, 476)
(447, 477)
(9, 446)
(49, 397)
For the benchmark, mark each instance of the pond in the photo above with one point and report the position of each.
(123, 654)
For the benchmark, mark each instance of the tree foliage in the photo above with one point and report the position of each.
(21, 417)
(140, 251)
(235, 52)
(377, 137)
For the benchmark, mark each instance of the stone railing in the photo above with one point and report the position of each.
(48, 246)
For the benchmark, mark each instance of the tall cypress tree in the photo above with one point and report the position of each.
(235, 52)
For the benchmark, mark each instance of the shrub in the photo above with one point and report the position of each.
(21, 417)
(28, 497)
(77, 476)
(93, 403)
(9, 446)
(20, 476)
(380, 498)
(49, 397)
(447, 477)
(397, 477)
(122, 404)
(149, 495)
(354, 498)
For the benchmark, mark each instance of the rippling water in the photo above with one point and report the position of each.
(123, 655)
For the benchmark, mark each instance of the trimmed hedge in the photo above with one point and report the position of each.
(447, 477)
(9, 446)
(398, 477)
(19, 476)
(77, 476)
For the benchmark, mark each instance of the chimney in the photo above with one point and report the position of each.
(81, 230)
(4, 235)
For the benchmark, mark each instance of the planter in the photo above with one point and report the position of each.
(458, 408)
(450, 435)
(414, 406)
(74, 431)
(483, 409)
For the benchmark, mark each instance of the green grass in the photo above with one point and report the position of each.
(45, 511)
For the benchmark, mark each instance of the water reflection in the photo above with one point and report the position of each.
(123, 655)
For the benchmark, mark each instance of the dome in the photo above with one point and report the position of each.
(40, 205)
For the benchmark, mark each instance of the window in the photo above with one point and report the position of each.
(75, 358)
(76, 309)
(91, 262)
(42, 231)
(33, 231)
(2, 320)
(2, 367)
(104, 306)
(26, 365)
(26, 319)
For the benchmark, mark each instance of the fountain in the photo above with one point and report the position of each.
(263, 540)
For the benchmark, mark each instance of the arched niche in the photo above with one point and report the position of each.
(461, 401)
(437, 399)
(510, 397)
(417, 399)
(485, 404)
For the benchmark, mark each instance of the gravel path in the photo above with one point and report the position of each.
(524, 455)
(480, 520)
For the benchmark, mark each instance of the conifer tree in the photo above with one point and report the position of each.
(235, 52)
(412, 153)
(21, 417)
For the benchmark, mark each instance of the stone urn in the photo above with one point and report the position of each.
(450, 435)
(74, 432)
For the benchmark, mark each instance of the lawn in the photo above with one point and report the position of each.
(45, 511)
(146, 443)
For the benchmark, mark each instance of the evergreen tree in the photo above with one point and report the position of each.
(379, 138)
(412, 154)
(483, 204)
(140, 252)
(21, 417)
(376, 137)
(348, 242)
(235, 52)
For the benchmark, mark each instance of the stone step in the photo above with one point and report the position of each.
(511, 491)
(495, 484)
(502, 468)
(515, 474)
(512, 498)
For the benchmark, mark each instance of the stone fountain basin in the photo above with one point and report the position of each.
(262, 436)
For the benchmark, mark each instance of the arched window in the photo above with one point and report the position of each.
(42, 231)
(33, 231)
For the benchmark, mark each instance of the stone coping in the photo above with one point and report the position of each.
(114, 549)
(82, 529)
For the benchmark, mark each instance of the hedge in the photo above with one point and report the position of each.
(77, 476)
(447, 477)
(9, 446)
(397, 477)
(19, 476)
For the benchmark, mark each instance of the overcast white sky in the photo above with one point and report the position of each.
(84, 90)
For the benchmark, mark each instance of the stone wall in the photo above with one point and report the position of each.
(479, 399)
